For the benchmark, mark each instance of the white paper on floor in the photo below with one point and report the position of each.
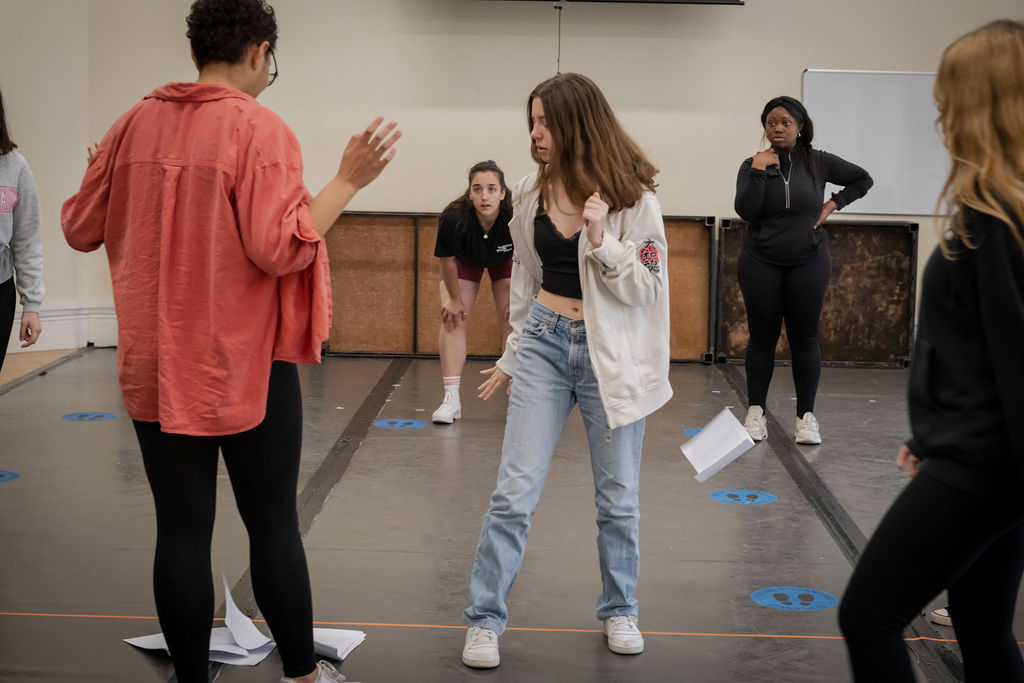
(242, 644)
(716, 445)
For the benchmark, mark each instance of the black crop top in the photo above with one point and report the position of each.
(559, 257)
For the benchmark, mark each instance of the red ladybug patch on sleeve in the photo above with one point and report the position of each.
(649, 256)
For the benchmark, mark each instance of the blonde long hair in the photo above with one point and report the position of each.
(590, 150)
(979, 91)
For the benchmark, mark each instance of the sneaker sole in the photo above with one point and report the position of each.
(625, 650)
(447, 422)
(480, 663)
(808, 440)
(941, 621)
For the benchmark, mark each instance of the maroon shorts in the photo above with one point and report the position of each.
(497, 271)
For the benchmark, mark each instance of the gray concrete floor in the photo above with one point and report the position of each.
(392, 532)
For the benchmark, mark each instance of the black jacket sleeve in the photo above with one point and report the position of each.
(750, 185)
(855, 180)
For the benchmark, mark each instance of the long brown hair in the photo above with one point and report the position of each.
(979, 91)
(590, 150)
(6, 143)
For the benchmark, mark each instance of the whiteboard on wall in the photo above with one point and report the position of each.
(883, 121)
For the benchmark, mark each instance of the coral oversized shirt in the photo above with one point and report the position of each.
(197, 194)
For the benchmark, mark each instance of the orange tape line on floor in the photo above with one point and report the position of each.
(511, 628)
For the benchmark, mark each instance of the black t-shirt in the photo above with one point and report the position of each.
(460, 234)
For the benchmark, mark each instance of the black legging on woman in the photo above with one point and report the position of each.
(939, 536)
(772, 294)
(263, 464)
(8, 298)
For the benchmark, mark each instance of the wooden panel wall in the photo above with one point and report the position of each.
(689, 275)
(385, 282)
(869, 308)
(373, 283)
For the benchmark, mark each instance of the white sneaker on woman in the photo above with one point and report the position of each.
(326, 673)
(756, 424)
(481, 649)
(449, 411)
(807, 430)
(624, 635)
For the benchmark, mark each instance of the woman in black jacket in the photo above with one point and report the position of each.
(784, 266)
(959, 524)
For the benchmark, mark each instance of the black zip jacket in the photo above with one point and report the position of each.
(781, 219)
(966, 393)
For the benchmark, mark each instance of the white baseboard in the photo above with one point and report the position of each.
(70, 326)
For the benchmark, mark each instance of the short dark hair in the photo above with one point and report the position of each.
(6, 143)
(221, 30)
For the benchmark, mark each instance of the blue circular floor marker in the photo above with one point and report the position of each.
(692, 431)
(8, 476)
(742, 497)
(89, 417)
(399, 424)
(794, 598)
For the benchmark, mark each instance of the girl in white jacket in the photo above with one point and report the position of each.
(590, 325)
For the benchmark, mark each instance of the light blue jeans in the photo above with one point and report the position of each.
(552, 374)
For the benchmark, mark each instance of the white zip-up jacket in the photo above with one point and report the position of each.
(625, 302)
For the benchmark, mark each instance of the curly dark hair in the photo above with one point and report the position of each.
(221, 30)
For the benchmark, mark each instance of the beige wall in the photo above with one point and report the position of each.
(687, 81)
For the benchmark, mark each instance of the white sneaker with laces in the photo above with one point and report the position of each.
(326, 673)
(940, 616)
(449, 411)
(481, 649)
(807, 430)
(756, 424)
(624, 635)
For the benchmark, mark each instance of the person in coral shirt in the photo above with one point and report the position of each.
(221, 284)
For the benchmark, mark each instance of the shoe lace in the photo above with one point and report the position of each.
(623, 626)
(482, 636)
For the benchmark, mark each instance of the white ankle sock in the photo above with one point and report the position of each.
(451, 385)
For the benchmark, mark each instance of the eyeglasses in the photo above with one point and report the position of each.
(272, 76)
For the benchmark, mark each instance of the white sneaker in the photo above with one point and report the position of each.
(449, 411)
(940, 616)
(624, 636)
(756, 424)
(326, 673)
(481, 649)
(807, 430)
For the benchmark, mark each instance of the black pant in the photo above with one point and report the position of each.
(263, 464)
(772, 294)
(936, 537)
(8, 297)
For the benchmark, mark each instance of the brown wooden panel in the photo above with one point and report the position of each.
(373, 261)
(689, 274)
(869, 308)
(484, 336)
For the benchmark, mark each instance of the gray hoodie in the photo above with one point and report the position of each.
(21, 236)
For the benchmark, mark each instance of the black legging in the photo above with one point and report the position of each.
(773, 293)
(8, 297)
(263, 464)
(936, 537)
